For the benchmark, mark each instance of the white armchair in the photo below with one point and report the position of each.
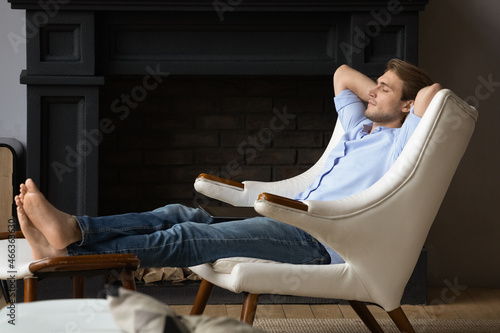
(379, 232)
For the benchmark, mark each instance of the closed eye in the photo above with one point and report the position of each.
(385, 86)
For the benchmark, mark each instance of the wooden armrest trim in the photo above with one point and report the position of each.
(6, 235)
(222, 180)
(282, 201)
(85, 263)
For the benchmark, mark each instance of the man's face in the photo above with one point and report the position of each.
(385, 106)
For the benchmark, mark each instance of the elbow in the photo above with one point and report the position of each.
(427, 94)
(339, 78)
(339, 71)
(436, 87)
(424, 98)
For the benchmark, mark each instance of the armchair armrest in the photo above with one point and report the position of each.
(298, 214)
(225, 190)
(282, 201)
(85, 263)
(216, 179)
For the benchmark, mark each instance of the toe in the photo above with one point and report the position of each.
(20, 213)
(18, 201)
(30, 185)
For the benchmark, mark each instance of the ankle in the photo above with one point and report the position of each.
(75, 230)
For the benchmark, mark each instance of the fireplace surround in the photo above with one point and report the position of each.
(161, 77)
(74, 46)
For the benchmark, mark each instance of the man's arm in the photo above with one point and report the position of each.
(346, 77)
(424, 98)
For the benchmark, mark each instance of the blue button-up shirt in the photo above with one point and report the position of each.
(360, 158)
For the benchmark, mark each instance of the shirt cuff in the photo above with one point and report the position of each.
(412, 117)
(344, 98)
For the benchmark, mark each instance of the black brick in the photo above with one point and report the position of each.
(143, 142)
(246, 139)
(296, 106)
(309, 156)
(219, 122)
(217, 156)
(119, 192)
(324, 121)
(299, 139)
(273, 157)
(195, 139)
(172, 86)
(168, 191)
(144, 175)
(217, 86)
(286, 172)
(130, 157)
(168, 157)
(270, 120)
(316, 86)
(254, 173)
(163, 123)
(271, 87)
(196, 104)
(190, 172)
(247, 104)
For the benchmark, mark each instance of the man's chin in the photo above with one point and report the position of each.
(369, 114)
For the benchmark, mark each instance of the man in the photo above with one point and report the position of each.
(179, 236)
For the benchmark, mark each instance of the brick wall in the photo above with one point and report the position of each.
(160, 135)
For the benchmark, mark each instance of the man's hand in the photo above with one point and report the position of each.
(346, 77)
(424, 98)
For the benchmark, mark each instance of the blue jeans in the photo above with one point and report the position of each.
(179, 236)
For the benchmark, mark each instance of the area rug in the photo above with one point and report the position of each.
(357, 326)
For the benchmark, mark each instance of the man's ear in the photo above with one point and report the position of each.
(408, 105)
(406, 109)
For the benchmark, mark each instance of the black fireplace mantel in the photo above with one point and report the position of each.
(73, 45)
(211, 5)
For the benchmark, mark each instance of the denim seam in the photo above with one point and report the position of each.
(82, 229)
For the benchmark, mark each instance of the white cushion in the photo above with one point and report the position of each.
(226, 265)
(20, 250)
(73, 315)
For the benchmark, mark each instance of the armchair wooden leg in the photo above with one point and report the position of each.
(249, 308)
(78, 286)
(128, 280)
(366, 316)
(30, 289)
(401, 321)
(202, 297)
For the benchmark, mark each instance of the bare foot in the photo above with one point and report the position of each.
(59, 228)
(40, 247)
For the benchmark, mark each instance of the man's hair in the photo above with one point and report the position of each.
(413, 78)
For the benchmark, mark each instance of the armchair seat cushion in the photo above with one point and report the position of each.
(226, 265)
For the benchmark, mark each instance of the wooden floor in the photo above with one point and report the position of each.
(469, 303)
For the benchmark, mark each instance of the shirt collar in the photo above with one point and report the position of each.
(367, 128)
